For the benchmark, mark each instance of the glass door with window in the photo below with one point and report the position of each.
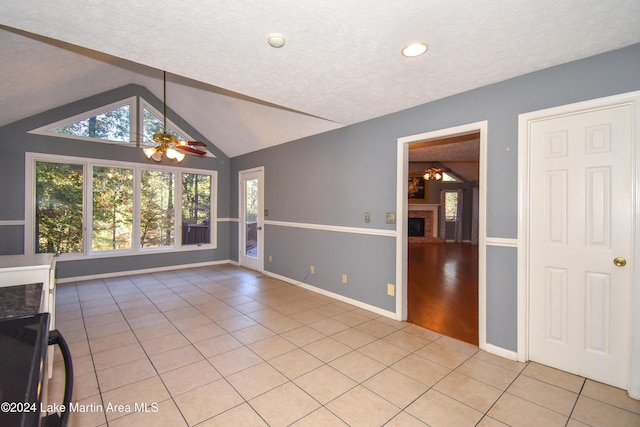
(251, 219)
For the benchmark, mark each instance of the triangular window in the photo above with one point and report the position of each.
(153, 123)
(446, 177)
(112, 123)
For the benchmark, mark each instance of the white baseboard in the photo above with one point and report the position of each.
(499, 351)
(141, 271)
(335, 296)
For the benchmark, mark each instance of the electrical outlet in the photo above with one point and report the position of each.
(367, 217)
(391, 289)
(344, 278)
(312, 269)
(270, 258)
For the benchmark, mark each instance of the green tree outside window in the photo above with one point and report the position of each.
(58, 221)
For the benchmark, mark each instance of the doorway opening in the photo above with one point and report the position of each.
(442, 268)
(442, 272)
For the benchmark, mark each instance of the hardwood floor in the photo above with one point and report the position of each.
(442, 287)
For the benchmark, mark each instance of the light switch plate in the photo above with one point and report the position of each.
(391, 218)
(367, 217)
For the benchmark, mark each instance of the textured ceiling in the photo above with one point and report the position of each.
(341, 63)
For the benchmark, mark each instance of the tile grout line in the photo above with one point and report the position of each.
(141, 346)
(260, 299)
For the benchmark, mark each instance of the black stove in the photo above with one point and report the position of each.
(23, 368)
(24, 342)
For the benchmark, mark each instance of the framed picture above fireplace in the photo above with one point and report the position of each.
(418, 188)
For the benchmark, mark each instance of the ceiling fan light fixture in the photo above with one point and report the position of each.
(414, 49)
(156, 153)
(157, 156)
(149, 152)
(434, 173)
(172, 154)
(165, 138)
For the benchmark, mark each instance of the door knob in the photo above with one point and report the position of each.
(619, 261)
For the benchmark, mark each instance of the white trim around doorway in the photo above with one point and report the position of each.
(401, 219)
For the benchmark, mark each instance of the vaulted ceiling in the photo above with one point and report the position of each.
(341, 63)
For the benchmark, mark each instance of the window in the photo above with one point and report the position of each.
(112, 208)
(58, 208)
(104, 213)
(157, 212)
(451, 205)
(112, 125)
(196, 208)
(153, 124)
(447, 177)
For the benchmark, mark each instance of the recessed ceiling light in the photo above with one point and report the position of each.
(415, 49)
(276, 40)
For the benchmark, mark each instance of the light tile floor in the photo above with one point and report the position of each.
(223, 346)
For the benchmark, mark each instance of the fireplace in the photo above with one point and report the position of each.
(422, 224)
(416, 227)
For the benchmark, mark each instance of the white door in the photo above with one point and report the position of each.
(251, 219)
(580, 216)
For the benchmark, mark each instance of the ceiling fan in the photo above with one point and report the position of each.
(168, 144)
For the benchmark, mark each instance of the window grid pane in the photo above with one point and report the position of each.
(451, 205)
(157, 210)
(153, 124)
(196, 209)
(251, 218)
(112, 208)
(112, 125)
(58, 219)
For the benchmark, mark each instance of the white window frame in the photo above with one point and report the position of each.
(445, 205)
(87, 216)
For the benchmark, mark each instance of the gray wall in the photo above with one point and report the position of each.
(335, 177)
(15, 141)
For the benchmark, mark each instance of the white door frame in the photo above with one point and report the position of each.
(524, 174)
(402, 210)
(241, 233)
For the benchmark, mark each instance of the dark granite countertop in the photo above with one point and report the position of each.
(20, 300)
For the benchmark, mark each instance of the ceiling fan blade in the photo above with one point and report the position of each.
(191, 150)
(193, 143)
